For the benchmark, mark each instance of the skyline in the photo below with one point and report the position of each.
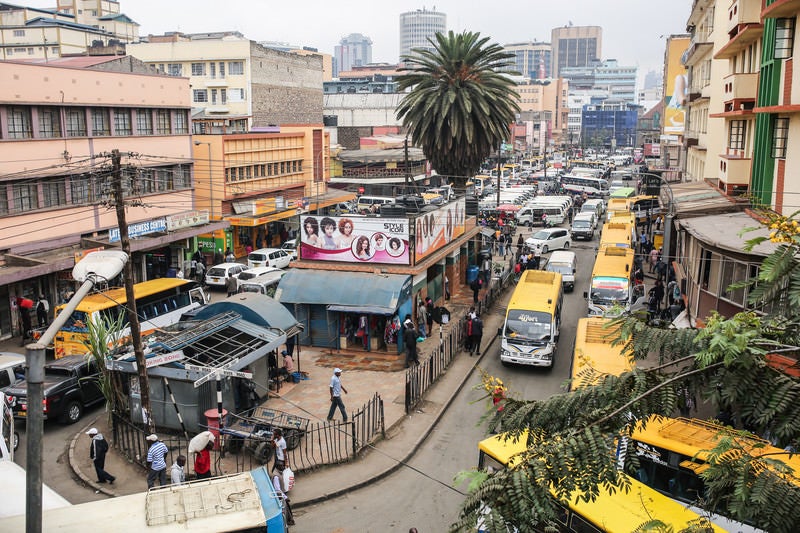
(623, 40)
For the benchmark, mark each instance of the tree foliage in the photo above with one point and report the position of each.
(104, 333)
(572, 437)
(460, 106)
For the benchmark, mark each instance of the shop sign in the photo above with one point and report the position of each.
(158, 225)
(187, 220)
(438, 228)
(354, 239)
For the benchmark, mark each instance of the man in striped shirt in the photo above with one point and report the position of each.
(156, 462)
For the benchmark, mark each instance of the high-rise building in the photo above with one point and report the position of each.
(575, 46)
(355, 50)
(531, 59)
(416, 27)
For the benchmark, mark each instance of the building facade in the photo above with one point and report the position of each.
(416, 27)
(531, 59)
(618, 81)
(575, 46)
(355, 50)
(610, 124)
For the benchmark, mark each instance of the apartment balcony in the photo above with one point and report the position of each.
(740, 38)
(699, 47)
(743, 12)
(217, 109)
(781, 9)
(734, 169)
(740, 88)
(216, 82)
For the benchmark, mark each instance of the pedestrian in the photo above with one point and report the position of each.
(24, 308)
(336, 389)
(410, 334)
(520, 244)
(477, 335)
(177, 472)
(231, 285)
(653, 259)
(422, 319)
(97, 453)
(468, 332)
(42, 310)
(501, 243)
(446, 287)
(642, 242)
(157, 466)
(276, 484)
(279, 443)
(429, 318)
(202, 460)
(201, 271)
(229, 257)
(476, 287)
(193, 269)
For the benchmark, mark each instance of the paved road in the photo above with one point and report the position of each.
(422, 495)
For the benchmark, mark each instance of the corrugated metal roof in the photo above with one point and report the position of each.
(723, 231)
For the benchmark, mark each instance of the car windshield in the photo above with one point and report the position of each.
(607, 290)
(527, 325)
(581, 224)
(217, 272)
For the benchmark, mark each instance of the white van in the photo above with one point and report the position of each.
(271, 257)
(563, 262)
(541, 215)
(597, 203)
(583, 226)
(366, 202)
(264, 284)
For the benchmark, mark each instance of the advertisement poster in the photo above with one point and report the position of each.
(438, 228)
(676, 84)
(354, 239)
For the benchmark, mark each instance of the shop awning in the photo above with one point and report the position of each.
(357, 292)
(255, 308)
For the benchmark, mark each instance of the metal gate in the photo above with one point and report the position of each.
(324, 327)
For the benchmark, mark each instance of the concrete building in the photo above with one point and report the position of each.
(531, 59)
(575, 46)
(542, 102)
(29, 33)
(56, 174)
(417, 26)
(354, 50)
(610, 124)
(619, 82)
(236, 81)
(576, 100)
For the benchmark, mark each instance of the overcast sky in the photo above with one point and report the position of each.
(633, 30)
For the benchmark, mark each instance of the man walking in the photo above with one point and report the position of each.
(429, 318)
(336, 389)
(156, 462)
(422, 319)
(232, 285)
(97, 453)
(410, 335)
(477, 335)
(177, 472)
(42, 310)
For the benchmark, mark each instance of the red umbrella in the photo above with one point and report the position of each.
(508, 208)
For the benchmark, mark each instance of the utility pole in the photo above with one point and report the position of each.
(499, 151)
(407, 173)
(133, 317)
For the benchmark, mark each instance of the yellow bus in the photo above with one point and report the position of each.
(620, 234)
(533, 318)
(612, 284)
(159, 303)
(610, 512)
(595, 355)
(673, 452)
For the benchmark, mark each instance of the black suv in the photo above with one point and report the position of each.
(70, 385)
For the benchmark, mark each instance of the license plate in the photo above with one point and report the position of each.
(22, 413)
(215, 280)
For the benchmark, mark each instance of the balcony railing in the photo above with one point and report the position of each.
(734, 170)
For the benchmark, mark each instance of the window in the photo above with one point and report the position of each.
(736, 134)
(221, 69)
(236, 68)
(780, 136)
(733, 272)
(122, 122)
(24, 197)
(212, 70)
(144, 122)
(200, 95)
(183, 176)
(223, 96)
(76, 122)
(19, 33)
(49, 122)
(174, 69)
(81, 189)
(100, 122)
(163, 122)
(236, 95)
(213, 97)
(198, 69)
(54, 193)
(19, 123)
(3, 200)
(181, 122)
(784, 38)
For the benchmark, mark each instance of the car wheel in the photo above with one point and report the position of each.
(545, 249)
(528, 224)
(292, 437)
(566, 245)
(263, 452)
(16, 441)
(72, 412)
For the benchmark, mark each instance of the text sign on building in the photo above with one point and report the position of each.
(187, 220)
(158, 225)
(163, 359)
(355, 239)
(438, 228)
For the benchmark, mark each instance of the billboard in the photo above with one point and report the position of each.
(676, 86)
(438, 228)
(354, 239)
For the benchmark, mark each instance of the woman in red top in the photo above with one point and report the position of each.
(202, 462)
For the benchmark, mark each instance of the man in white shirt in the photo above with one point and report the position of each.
(177, 473)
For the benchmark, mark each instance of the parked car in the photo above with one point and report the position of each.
(290, 247)
(12, 369)
(255, 272)
(549, 239)
(70, 385)
(274, 257)
(216, 275)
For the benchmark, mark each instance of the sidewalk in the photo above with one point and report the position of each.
(311, 399)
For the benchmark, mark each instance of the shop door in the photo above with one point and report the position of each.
(323, 328)
(300, 312)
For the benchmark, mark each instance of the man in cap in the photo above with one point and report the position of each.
(336, 395)
(156, 462)
(97, 453)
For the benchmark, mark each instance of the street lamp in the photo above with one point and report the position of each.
(104, 265)
(210, 180)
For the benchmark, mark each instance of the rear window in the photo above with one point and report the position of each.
(217, 272)
(257, 257)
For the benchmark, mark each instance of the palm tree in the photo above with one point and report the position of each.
(460, 105)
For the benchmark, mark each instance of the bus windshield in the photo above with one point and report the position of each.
(77, 321)
(528, 325)
(609, 290)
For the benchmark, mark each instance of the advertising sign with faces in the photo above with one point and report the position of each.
(354, 239)
(438, 228)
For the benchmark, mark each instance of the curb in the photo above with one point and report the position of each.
(73, 464)
(413, 450)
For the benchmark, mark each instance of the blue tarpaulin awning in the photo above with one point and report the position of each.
(357, 292)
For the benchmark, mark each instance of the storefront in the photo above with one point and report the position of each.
(348, 310)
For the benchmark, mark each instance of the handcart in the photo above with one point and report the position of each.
(253, 432)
